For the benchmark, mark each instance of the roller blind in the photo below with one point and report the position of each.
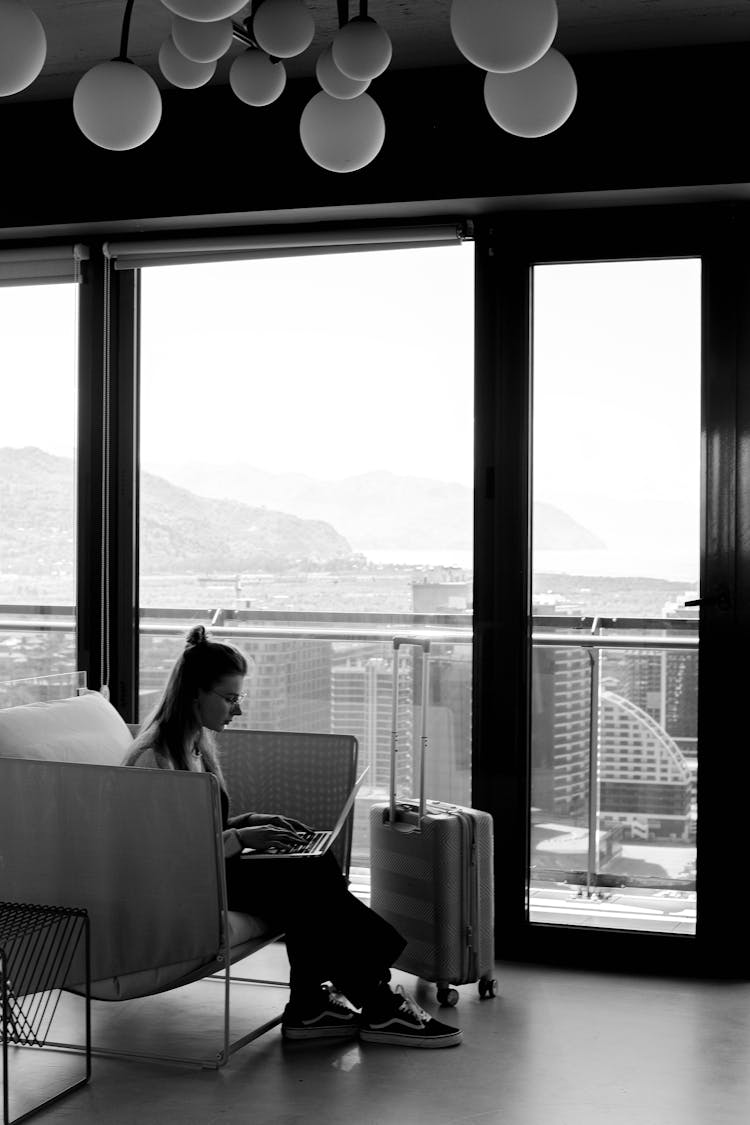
(169, 252)
(42, 265)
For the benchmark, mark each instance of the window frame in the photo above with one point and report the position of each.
(508, 246)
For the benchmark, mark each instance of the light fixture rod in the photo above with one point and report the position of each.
(363, 9)
(343, 9)
(123, 55)
(242, 36)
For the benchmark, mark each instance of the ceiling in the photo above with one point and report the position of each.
(81, 33)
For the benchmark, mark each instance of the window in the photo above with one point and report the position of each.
(616, 458)
(38, 366)
(307, 463)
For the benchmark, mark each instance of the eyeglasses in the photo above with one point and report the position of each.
(232, 700)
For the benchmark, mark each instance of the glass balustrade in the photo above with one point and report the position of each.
(614, 808)
(36, 641)
(613, 756)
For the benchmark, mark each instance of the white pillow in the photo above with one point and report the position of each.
(85, 728)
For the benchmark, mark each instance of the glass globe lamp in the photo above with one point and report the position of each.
(202, 42)
(333, 81)
(362, 49)
(255, 79)
(117, 105)
(503, 35)
(204, 11)
(534, 101)
(182, 72)
(342, 135)
(283, 28)
(23, 47)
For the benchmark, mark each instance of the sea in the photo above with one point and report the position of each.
(673, 565)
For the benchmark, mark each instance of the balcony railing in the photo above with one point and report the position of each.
(599, 639)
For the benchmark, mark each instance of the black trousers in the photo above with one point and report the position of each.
(330, 934)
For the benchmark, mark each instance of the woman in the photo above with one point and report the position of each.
(331, 936)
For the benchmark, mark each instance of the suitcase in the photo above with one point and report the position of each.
(432, 872)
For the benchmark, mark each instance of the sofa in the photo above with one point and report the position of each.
(141, 850)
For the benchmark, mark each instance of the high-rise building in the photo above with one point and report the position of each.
(361, 704)
(644, 780)
(663, 684)
(560, 731)
(290, 684)
(289, 681)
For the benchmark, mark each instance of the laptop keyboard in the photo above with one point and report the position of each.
(309, 845)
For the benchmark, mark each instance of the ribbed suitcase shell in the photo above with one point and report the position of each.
(432, 873)
(434, 883)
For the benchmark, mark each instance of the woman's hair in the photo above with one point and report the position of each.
(172, 728)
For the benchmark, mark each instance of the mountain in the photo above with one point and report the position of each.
(555, 530)
(377, 510)
(37, 513)
(179, 530)
(260, 521)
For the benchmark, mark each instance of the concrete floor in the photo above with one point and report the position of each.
(556, 1046)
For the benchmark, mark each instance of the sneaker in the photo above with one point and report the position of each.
(406, 1025)
(334, 1019)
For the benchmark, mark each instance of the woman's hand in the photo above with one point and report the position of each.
(261, 820)
(271, 837)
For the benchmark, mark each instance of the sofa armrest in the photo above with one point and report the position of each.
(140, 849)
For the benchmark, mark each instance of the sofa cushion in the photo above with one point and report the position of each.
(247, 934)
(84, 728)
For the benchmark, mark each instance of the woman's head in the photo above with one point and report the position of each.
(204, 689)
(210, 675)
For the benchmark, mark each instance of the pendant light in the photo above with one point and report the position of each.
(204, 10)
(361, 48)
(535, 101)
(182, 72)
(23, 47)
(335, 83)
(202, 42)
(530, 89)
(256, 79)
(342, 135)
(503, 35)
(116, 104)
(283, 28)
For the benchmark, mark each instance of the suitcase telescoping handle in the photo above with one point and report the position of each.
(425, 646)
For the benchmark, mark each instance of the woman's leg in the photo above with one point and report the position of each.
(330, 933)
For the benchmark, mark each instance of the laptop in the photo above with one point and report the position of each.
(319, 842)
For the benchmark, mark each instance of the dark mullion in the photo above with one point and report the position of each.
(89, 469)
(724, 769)
(123, 641)
(501, 572)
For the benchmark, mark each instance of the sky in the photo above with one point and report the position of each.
(616, 398)
(347, 363)
(38, 334)
(331, 365)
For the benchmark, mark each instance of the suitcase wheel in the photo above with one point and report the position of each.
(447, 997)
(487, 988)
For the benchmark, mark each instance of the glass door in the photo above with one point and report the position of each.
(616, 500)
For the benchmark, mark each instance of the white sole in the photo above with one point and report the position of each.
(399, 1039)
(319, 1033)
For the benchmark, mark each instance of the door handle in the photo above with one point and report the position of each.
(720, 600)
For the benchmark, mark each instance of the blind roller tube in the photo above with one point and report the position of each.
(42, 265)
(189, 251)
